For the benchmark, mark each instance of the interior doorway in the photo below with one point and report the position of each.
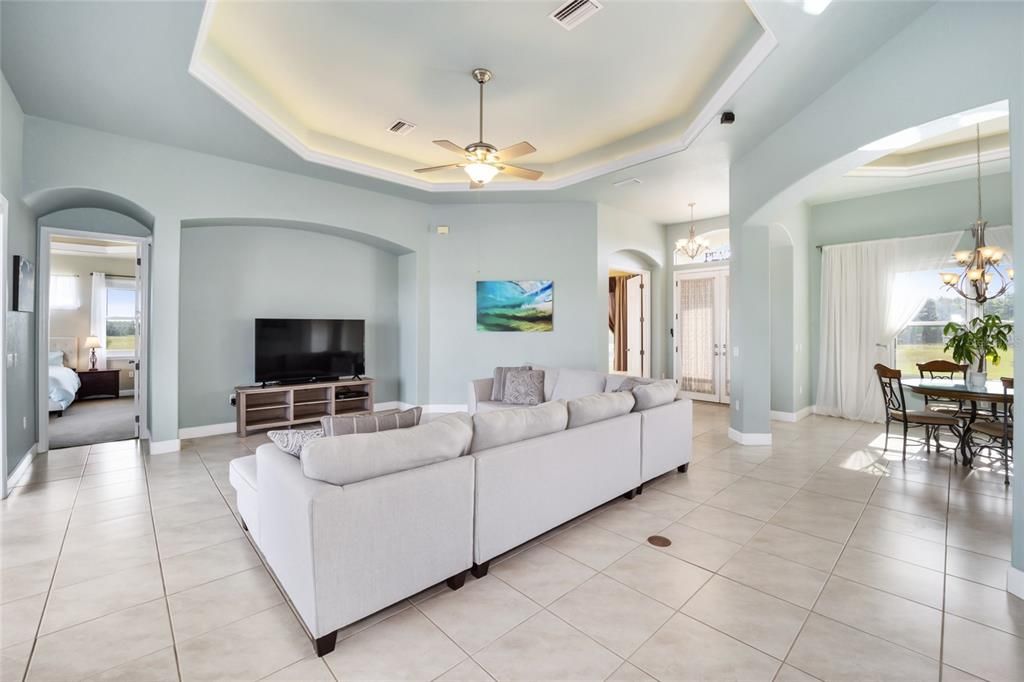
(629, 321)
(701, 333)
(93, 293)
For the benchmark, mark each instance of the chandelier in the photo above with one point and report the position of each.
(694, 245)
(981, 279)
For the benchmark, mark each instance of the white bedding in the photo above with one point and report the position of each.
(64, 384)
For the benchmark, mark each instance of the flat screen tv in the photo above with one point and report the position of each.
(306, 350)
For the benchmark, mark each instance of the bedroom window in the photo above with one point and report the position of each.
(120, 315)
(64, 292)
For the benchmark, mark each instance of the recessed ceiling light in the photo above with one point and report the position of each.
(816, 7)
(627, 181)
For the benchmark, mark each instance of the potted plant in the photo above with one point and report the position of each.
(976, 342)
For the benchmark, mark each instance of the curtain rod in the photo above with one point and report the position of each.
(819, 247)
(113, 276)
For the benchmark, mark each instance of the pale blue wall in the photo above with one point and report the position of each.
(232, 275)
(555, 241)
(20, 408)
(95, 220)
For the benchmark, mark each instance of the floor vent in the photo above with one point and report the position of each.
(401, 127)
(574, 12)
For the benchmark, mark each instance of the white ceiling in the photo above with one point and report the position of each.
(122, 68)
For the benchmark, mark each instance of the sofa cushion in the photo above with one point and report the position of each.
(550, 379)
(341, 425)
(576, 383)
(498, 387)
(493, 429)
(598, 407)
(349, 459)
(652, 395)
(292, 440)
(524, 387)
(621, 382)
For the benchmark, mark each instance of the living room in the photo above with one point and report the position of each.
(576, 531)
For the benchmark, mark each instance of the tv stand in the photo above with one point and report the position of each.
(283, 406)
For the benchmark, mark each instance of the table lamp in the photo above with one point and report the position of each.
(92, 343)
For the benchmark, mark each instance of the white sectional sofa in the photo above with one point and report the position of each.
(360, 522)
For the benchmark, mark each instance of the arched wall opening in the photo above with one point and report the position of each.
(234, 270)
(630, 305)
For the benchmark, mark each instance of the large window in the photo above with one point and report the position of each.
(120, 315)
(923, 339)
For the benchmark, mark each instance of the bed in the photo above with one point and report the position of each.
(63, 382)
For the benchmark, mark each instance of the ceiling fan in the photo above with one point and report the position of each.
(482, 160)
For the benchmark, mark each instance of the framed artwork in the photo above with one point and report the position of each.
(23, 295)
(511, 305)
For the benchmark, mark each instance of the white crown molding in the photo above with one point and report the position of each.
(71, 249)
(928, 167)
(295, 140)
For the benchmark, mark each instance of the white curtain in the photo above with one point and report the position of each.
(98, 316)
(869, 292)
(696, 335)
(64, 292)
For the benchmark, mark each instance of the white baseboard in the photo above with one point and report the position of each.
(22, 467)
(442, 407)
(750, 438)
(1015, 581)
(791, 416)
(207, 430)
(159, 447)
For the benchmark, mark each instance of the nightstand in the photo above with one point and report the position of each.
(100, 383)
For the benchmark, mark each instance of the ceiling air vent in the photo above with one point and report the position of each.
(401, 127)
(574, 12)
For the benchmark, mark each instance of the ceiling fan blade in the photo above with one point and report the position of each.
(450, 146)
(437, 168)
(476, 185)
(525, 173)
(515, 151)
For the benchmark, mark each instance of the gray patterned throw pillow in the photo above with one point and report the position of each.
(371, 423)
(524, 387)
(498, 387)
(292, 440)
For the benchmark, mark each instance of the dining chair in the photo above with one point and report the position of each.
(891, 381)
(942, 369)
(998, 434)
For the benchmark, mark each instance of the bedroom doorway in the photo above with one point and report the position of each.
(93, 289)
(629, 321)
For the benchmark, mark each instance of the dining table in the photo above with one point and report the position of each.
(956, 389)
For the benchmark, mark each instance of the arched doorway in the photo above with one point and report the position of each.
(630, 295)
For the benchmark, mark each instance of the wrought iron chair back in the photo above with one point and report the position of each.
(891, 381)
(943, 369)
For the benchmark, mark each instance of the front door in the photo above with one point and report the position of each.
(701, 334)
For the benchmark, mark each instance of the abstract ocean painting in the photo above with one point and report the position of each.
(515, 306)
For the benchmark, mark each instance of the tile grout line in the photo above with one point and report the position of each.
(53, 576)
(160, 564)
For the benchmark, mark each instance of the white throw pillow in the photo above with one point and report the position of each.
(493, 429)
(349, 459)
(576, 383)
(598, 407)
(653, 395)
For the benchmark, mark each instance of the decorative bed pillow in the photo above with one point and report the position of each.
(292, 440)
(498, 388)
(524, 387)
(370, 423)
(652, 395)
(55, 358)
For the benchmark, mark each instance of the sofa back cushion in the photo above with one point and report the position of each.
(652, 395)
(493, 429)
(349, 459)
(576, 383)
(622, 382)
(598, 407)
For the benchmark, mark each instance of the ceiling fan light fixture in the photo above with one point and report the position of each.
(481, 173)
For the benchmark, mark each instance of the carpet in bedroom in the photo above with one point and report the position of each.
(99, 420)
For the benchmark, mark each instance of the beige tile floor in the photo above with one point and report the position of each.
(818, 557)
